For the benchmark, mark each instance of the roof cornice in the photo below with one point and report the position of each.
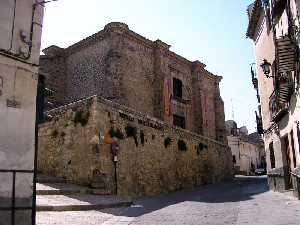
(123, 29)
(253, 19)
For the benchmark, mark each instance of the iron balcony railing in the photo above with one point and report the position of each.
(279, 102)
(286, 55)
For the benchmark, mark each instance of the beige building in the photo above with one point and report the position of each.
(247, 150)
(273, 27)
(161, 111)
(20, 34)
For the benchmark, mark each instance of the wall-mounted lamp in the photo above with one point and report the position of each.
(266, 67)
(44, 2)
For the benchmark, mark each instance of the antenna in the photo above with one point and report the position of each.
(232, 111)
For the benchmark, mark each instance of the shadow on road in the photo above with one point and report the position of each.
(242, 188)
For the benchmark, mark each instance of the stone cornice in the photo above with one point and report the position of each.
(139, 39)
(123, 29)
(86, 42)
(157, 44)
(179, 59)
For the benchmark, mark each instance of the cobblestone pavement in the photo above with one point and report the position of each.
(244, 201)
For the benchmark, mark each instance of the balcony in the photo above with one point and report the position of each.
(278, 7)
(286, 52)
(279, 101)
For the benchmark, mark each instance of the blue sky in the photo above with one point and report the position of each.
(212, 31)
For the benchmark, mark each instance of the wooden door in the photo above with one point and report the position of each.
(289, 159)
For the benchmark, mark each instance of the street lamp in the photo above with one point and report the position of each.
(266, 67)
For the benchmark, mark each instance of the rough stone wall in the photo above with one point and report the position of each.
(207, 90)
(145, 166)
(137, 75)
(219, 116)
(88, 71)
(54, 71)
(196, 99)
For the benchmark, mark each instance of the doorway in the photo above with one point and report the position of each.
(287, 148)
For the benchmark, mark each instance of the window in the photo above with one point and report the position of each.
(1, 85)
(177, 88)
(233, 159)
(179, 121)
(272, 156)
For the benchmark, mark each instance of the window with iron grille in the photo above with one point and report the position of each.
(177, 88)
(179, 121)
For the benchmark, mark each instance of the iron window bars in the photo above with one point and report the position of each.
(13, 208)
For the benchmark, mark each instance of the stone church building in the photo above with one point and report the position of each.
(128, 116)
(121, 65)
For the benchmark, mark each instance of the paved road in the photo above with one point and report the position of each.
(244, 201)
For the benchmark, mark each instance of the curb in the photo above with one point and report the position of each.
(61, 208)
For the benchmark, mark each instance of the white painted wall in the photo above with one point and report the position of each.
(245, 153)
(264, 49)
(18, 84)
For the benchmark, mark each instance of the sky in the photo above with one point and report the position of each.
(211, 31)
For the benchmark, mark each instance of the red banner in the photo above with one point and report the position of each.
(167, 97)
(203, 110)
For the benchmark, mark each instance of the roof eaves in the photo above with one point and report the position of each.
(253, 19)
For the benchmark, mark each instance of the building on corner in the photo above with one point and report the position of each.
(128, 115)
(121, 65)
(274, 29)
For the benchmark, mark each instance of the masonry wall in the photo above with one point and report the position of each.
(81, 153)
(135, 68)
(53, 68)
(122, 66)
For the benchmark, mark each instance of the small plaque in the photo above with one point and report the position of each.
(115, 158)
(12, 103)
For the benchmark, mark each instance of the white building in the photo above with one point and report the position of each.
(247, 150)
(274, 29)
(20, 34)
